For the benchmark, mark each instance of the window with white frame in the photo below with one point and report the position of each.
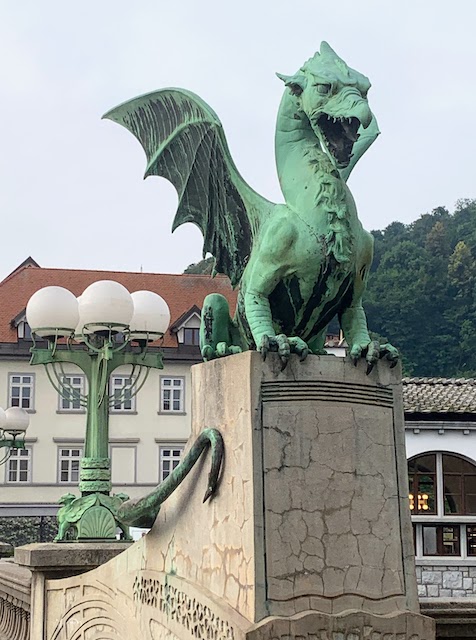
(19, 465)
(191, 336)
(442, 494)
(21, 390)
(122, 398)
(169, 458)
(68, 463)
(172, 395)
(73, 392)
(23, 330)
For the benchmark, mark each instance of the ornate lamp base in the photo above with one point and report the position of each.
(90, 517)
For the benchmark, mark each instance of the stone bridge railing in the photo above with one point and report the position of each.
(15, 596)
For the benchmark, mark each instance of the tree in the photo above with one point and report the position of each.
(421, 292)
(204, 267)
(437, 242)
(461, 270)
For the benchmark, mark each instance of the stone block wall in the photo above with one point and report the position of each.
(450, 581)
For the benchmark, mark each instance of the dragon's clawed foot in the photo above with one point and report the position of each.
(373, 351)
(284, 346)
(222, 349)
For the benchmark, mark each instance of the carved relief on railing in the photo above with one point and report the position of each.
(196, 617)
(144, 605)
(15, 595)
(151, 605)
(350, 625)
(91, 611)
(14, 621)
(367, 633)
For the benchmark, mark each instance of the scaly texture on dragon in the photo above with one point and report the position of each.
(297, 264)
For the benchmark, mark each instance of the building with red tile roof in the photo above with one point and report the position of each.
(182, 292)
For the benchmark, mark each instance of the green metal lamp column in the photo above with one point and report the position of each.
(93, 516)
(95, 472)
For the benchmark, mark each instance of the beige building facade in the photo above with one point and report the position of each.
(147, 435)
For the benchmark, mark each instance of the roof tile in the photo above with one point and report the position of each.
(439, 395)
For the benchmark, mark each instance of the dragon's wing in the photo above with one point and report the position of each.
(184, 142)
(79, 506)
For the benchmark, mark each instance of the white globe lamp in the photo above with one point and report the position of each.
(105, 302)
(17, 420)
(52, 311)
(3, 419)
(151, 315)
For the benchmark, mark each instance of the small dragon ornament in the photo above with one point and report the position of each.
(297, 264)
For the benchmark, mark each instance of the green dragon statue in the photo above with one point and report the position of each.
(297, 264)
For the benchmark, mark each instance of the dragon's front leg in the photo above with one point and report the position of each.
(258, 315)
(218, 335)
(268, 265)
(353, 321)
(354, 326)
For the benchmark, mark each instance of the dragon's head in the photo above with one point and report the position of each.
(67, 499)
(334, 98)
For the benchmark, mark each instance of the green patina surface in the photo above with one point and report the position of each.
(94, 514)
(297, 264)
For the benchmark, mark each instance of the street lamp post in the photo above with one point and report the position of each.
(103, 329)
(14, 423)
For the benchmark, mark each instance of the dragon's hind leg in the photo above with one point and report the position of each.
(218, 334)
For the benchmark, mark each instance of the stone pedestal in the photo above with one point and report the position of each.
(308, 536)
(312, 513)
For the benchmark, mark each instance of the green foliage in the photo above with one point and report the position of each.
(205, 266)
(19, 530)
(421, 293)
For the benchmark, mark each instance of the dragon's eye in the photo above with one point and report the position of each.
(323, 88)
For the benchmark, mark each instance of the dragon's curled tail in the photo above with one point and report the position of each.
(142, 512)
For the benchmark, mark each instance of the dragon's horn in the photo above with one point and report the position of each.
(327, 50)
(284, 78)
(296, 83)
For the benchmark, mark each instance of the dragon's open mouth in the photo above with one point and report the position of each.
(339, 135)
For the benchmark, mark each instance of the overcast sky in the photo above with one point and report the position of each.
(72, 193)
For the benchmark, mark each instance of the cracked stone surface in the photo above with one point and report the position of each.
(331, 500)
(333, 490)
